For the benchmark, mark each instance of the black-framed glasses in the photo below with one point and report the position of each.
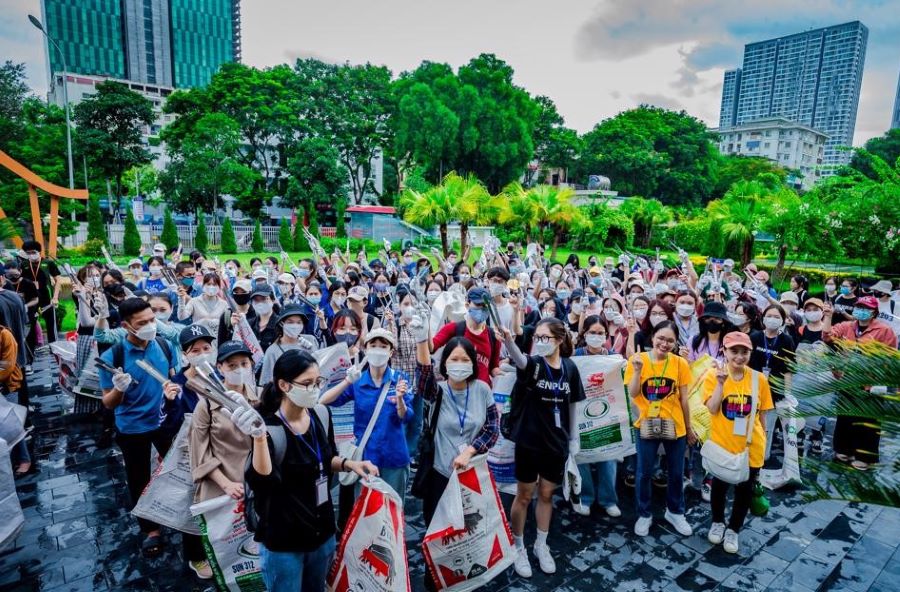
(318, 383)
(543, 338)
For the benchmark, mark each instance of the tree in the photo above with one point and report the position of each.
(732, 168)
(517, 209)
(131, 241)
(556, 212)
(429, 209)
(473, 204)
(258, 245)
(201, 237)
(299, 240)
(556, 146)
(886, 147)
(340, 209)
(109, 130)
(13, 92)
(645, 214)
(143, 178)
(169, 236)
(229, 242)
(96, 226)
(313, 221)
(284, 235)
(740, 214)
(315, 175)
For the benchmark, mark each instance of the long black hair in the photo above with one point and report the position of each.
(288, 367)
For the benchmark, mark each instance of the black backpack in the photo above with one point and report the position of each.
(460, 331)
(279, 443)
(118, 349)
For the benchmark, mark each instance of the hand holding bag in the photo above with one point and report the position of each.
(728, 466)
(355, 452)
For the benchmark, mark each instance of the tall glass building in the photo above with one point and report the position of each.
(178, 43)
(895, 118)
(812, 78)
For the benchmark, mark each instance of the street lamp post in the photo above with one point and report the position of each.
(40, 27)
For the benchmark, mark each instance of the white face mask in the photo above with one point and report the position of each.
(378, 356)
(577, 308)
(146, 333)
(772, 323)
(595, 341)
(656, 319)
(684, 310)
(813, 316)
(432, 296)
(459, 371)
(197, 359)
(292, 329)
(303, 396)
(830, 288)
(497, 289)
(210, 290)
(543, 349)
(640, 313)
(737, 320)
(155, 270)
(338, 301)
(408, 312)
(162, 316)
(262, 308)
(239, 376)
(614, 316)
(464, 277)
(94, 282)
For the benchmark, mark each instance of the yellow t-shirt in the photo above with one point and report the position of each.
(736, 403)
(660, 387)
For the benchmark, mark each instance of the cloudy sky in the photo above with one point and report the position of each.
(594, 58)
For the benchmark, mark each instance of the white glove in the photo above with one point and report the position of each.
(248, 421)
(659, 267)
(101, 306)
(353, 374)
(121, 381)
(574, 447)
(306, 344)
(419, 329)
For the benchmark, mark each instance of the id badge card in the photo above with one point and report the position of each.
(321, 490)
(766, 371)
(740, 426)
(655, 407)
(557, 420)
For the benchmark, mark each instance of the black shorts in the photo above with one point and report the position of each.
(531, 464)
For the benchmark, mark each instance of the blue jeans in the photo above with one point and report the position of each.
(289, 572)
(414, 428)
(598, 482)
(646, 461)
(396, 478)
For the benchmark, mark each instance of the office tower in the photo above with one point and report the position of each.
(895, 120)
(178, 43)
(730, 90)
(811, 78)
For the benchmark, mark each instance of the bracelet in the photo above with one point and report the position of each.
(344, 465)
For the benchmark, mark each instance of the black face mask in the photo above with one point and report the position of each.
(13, 277)
(241, 299)
(712, 326)
(348, 338)
(112, 288)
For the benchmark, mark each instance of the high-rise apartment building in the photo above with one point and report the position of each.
(811, 78)
(178, 43)
(895, 119)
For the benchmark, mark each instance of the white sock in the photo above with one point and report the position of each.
(541, 540)
(520, 541)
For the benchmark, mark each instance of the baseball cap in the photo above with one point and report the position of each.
(287, 278)
(375, 263)
(194, 333)
(263, 290)
(360, 293)
(737, 338)
(728, 263)
(762, 276)
(478, 295)
(232, 348)
(867, 302)
(381, 333)
(814, 302)
(883, 286)
(289, 311)
(609, 261)
(594, 270)
(134, 262)
(244, 285)
(259, 274)
(789, 297)
(159, 247)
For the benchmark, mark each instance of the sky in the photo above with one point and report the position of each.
(594, 58)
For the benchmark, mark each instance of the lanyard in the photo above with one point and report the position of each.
(768, 351)
(655, 375)
(562, 376)
(460, 416)
(312, 431)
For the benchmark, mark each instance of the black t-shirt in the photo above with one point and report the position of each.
(290, 519)
(537, 429)
(27, 290)
(642, 342)
(843, 305)
(40, 274)
(773, 354)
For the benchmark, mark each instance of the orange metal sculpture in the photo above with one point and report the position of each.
(56, 193)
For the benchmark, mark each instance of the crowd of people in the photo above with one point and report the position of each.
(427, 336)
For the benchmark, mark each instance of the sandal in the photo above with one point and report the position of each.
(152, 546)
(860, 465)
(841, 458)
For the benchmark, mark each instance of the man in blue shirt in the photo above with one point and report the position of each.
(137, 399)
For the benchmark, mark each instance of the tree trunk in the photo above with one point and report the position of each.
(779, 267)
(527, 230)
(556, 233)
(443, 230)
(747, 255)
(463, 237)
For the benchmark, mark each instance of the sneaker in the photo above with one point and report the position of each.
(545, 559)
(202, 569)
(630, 480)
(679, 523)
(522, 565)
(815, 443)
(581, 509)
(29, 370)
(613, 511)
(642, 526)
(716, 532)
(660, 480)
(730, 544)
(706, 490)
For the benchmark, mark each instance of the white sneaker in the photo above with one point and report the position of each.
(613, 511)
(581, 509)
(680, 524)
(706, 490)
(545, 559)
(716, 532)
(642, 526)
(731, 541)
(522, 565)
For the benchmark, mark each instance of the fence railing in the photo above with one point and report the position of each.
(150, 234)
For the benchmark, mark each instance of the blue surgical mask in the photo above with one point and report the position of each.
(348, 338)
(563, 294)
(381, 287)
(845, 290)
(478, 315)
(303, 273)
(314, 299)
(187, 282)
(863, 314)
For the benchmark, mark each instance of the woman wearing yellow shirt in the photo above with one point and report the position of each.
(727, 391)
(658, 383)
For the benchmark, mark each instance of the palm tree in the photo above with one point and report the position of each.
(428, 209)
(645, 214)
(516, 208)
(740, 212)
(555, 210)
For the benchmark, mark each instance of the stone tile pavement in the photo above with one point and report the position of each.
(79, 536)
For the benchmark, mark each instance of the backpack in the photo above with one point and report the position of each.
(459, 330)
(278, 434)
(118, 349)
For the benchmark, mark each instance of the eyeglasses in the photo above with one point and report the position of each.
(318, 383)
(665, 340)
(543, 338)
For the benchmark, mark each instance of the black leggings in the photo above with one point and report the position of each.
(743, 492)
(859, 437)
(136, 454)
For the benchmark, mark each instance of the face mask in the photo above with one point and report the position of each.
(407, 260)
(155, 270)
(616, 318)
(230, 272)
(515, 269)
(162, 316)
(862, 314)
(210, 290)
(94, 282)
(13, 277)
(464, 277)
(563, 294)
(639, 313)
(304, 273)
(845, 290)
(262, 308)
(146, 333)
(338, 301)
(241, 299)
(292, 330)
(408, 312)
(459, 371)
(239, 376)
(347, 338)
(378, 356)
(596, 281)
(789, 308)
(737, 320)
(554, 273)
(137, 272)
(381, 287)
(813, 316)
(656, 319)
(432, 296)
(727, 268)
(543, 349)
(187, 282)
(34, 257)
(303, 396)
(595, 341)
(547, 314)
(577, 308)
(197, 359)
(270, 267)
(314, 300)
(478, 315)
(772, 323)
(684, 310)
(497, 289)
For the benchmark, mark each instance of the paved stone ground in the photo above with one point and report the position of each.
(78, 535)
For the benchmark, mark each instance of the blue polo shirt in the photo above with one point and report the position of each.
(387, 445)
(139, 411)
